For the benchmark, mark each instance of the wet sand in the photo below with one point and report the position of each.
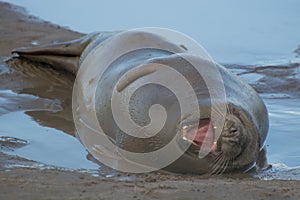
(24, 179)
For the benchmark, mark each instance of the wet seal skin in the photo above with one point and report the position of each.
(240, 146)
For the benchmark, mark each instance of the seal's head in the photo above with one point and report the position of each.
(237, 148)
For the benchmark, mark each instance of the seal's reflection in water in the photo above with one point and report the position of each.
(45, 82)
(34, 119)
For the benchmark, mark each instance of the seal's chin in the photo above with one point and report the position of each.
(201, 134)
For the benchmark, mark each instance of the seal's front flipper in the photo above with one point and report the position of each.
(261, 162)
(63, 55)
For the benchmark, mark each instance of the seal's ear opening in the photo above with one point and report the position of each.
(201, 135)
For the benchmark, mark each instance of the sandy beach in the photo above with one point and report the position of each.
(24, 179)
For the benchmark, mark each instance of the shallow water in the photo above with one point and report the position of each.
(46, 145)
(259, 46)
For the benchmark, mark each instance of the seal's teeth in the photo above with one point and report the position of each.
(185, 127)
(184, 138)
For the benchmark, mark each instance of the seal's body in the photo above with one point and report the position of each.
(241, 143)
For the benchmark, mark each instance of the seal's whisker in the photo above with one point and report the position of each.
(225, 166)
(222, 165)
(218, 165)
(214, 167)
(218, 157)
(216, 162)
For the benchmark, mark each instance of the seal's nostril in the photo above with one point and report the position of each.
(233, 142)
(230, 140)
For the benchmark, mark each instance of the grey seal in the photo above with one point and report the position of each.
(240, 146)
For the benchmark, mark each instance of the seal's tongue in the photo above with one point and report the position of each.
(202, 136)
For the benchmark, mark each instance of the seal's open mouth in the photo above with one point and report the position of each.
(201, 134)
